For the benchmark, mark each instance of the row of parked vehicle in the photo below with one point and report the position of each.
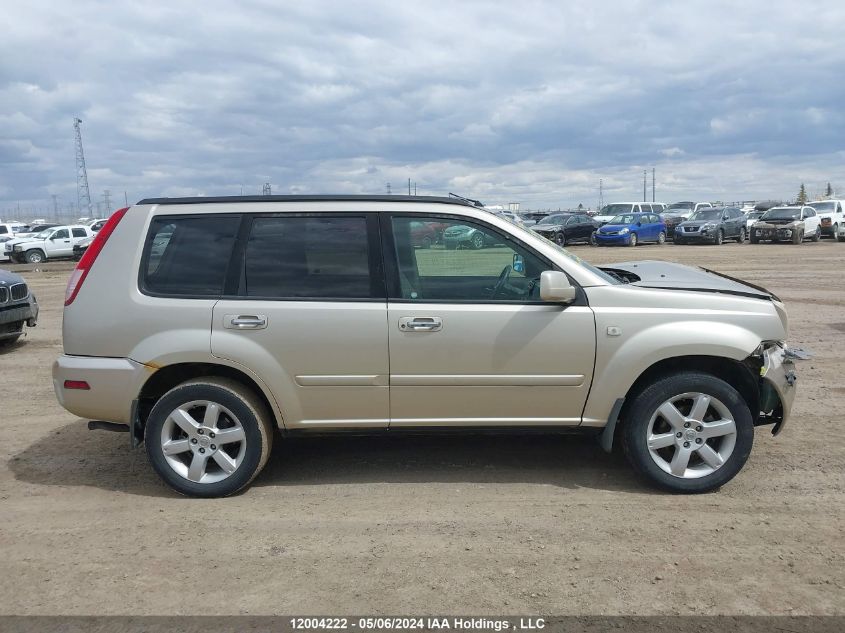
(632, 223)
(36, 243)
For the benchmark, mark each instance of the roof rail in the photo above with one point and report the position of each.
(312, 198)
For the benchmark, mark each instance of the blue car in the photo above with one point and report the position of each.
(631, 229)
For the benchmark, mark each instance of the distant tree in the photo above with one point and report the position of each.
(829, 191)
(802, 195)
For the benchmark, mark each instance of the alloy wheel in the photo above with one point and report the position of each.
(691, 435)
(203, 441)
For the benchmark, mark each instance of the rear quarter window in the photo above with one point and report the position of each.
(188, 256)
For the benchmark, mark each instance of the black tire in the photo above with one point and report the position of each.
(841, 236)
(477, 241)
(560, 238)
(720, 237)
(256, 420)
(754, 239)
(35, 256)
(679, 240)
(633, 240)
(661, 238)
(638, 414)
(797, 237)
(817, 235)
(593, 241)
(741, 238)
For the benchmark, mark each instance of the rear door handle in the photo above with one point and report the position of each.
(245, 321)
(420, 324)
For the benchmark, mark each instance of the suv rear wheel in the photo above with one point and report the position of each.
(209, 437)
(690, 432)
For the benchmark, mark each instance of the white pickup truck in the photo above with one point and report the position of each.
(831, 215)
(57, 241)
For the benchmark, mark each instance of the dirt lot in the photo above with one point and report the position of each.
(421, 525)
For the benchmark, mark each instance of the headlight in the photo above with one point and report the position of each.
(625, 230)
(709, 225)
(18, 248)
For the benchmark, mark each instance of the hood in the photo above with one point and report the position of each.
(655, 274)
(547, 227)
(8, 278)
(700, 222)
(779, 223)
(614, 227)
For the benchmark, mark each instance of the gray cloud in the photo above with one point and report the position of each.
(530, 102)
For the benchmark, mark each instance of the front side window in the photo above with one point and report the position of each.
(188, 256)
(471, 262)
(61, 234)
(313, 257)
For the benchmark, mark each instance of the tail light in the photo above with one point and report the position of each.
(90, 255)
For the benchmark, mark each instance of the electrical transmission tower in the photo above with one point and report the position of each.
(266, 190)
(83, 196)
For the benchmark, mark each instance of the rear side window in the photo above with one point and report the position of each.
(309, 257)
(188, 256)
(79, 233)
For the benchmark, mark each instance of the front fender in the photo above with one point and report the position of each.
(620, 362)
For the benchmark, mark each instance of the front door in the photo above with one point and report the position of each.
(310, 318)
(471, 344)
(59, 244)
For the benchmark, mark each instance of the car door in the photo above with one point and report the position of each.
(78, 235)
(59, 244)
(584, 228)
(470, 342)
(309, 317)
(812, 221)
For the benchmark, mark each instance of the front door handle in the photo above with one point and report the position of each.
(245, 321)
(420, 324)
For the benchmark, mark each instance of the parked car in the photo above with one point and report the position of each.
(18, 307)
(566, 228)
(34, 229)
(254, 316)
(610, 211)
(54, 242)
(792, 224)
(10, 229)
(630, 229)
(678, 212)
(465, 236)
(831, 218)
(713, 225)
(96, 225)
(80, 247)
(3, 256)
(423, 234)
(750, 218)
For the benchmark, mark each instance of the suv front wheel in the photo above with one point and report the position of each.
(690, 432)
(209, 437)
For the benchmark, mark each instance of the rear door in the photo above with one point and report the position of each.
(308, 314)
(78, 234)
(471, 344)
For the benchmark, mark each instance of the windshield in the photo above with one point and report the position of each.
(706, 214)
(553, 219)
(782, 214)
(615, 209)
(684, 206)
(830, 205)
(623, 219)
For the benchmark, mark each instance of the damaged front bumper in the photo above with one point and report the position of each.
(777, 386)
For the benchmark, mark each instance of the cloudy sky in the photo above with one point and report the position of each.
(503, 101)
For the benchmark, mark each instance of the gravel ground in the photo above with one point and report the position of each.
(420, 525)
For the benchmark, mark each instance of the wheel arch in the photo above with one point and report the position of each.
(166, 378)
(738, 374)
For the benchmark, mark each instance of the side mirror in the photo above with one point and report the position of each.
(555, 287)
